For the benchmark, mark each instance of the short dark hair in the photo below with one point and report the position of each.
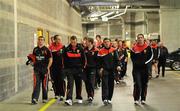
(73, 38)
(98, 36)
(116, 39)
(107, 39)
(41, 37)
(55, 37)
(91, 40)
(123, 41)
(140, 35)
(85, 38)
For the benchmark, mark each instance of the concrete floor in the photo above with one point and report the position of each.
(163, 95)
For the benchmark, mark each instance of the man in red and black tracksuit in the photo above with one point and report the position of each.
(141, 55)
(123, 56)
(57, 75)
(125, 48)
(98, 44)
(90, 70)
(41, 70)
(108, 58)
(74, 62)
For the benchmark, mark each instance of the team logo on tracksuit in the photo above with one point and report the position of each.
(145, 51)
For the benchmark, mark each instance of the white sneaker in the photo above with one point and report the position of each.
(68, 102)
(136, 102)
(105, 102)
(90, 99)
(80, 101)
(109, 102)
(44, 101)
(143, 102)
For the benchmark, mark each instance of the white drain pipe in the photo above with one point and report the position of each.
(125, 10)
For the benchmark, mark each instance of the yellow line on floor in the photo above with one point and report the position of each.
(52, 101)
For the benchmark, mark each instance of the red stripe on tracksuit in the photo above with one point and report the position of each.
(34, 77)
(73, 55)
(45, 81)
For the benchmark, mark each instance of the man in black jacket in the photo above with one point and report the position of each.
(43, 62)
(90, 70)
(74, 62)
(59, 84)
(109, 63)
(141, 55)
(162, 55)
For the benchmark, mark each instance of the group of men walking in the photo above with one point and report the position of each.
(91, 62)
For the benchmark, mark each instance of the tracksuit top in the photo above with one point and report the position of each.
(42, 57)
(57, 51)
(91, 55)
(141, 55)
(108, 58)
(74, 57)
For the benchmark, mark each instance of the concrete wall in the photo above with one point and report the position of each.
(111, 29)
(139, 23)
(170, 23)
(153, 22)
(90, 31)
(7, 50)
(19, 20)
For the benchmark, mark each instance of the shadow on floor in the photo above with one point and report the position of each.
(144, 107)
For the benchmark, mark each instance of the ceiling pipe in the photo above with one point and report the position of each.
(125, 10)
(134, 10)
(96, 14)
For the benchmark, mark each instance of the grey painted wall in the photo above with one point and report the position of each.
(55, 16)
(170, 23)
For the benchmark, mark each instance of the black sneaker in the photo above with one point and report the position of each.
(61, 98)
(157, 76)
(56, 97)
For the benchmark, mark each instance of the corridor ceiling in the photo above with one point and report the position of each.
(95, 10)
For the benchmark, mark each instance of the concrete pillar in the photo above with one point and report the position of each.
(170, 23)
